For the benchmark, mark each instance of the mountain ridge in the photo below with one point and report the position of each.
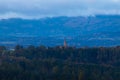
(99, 29)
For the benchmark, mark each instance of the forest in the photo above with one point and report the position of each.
(59, 63)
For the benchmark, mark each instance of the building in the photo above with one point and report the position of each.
(65, 43)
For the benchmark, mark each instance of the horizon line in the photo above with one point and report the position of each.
(47, 17)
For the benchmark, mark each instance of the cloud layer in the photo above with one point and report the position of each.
(49, 8)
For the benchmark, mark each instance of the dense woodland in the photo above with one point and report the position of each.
(60, 63)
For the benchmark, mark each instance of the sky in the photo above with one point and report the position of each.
(30, 9)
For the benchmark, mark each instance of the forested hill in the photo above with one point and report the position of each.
(101, 30)
(60, 26)
(60, 63)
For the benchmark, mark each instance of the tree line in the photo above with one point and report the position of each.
(59, 63)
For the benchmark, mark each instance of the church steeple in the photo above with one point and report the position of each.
(65, 43)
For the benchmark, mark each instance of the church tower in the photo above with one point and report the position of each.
(65, 43)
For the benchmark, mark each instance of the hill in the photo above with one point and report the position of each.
(100, 30)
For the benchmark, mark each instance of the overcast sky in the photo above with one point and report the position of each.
(50, 8)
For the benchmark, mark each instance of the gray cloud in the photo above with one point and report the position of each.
(49, 8)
